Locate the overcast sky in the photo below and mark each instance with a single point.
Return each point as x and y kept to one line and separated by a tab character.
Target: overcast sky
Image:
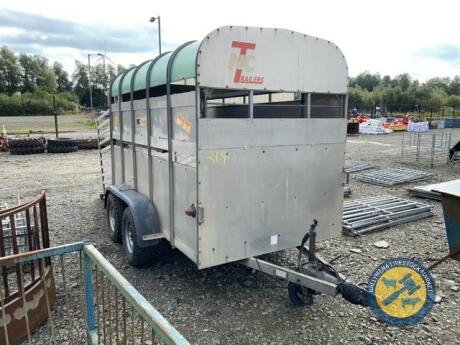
386	36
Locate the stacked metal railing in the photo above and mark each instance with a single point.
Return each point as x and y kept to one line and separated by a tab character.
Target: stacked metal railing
393	176
373	214
355	166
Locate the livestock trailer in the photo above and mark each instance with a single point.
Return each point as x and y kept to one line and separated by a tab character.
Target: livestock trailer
228	148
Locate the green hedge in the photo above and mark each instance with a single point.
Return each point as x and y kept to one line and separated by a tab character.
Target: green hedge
37	103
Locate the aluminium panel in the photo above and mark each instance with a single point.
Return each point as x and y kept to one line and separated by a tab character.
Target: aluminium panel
159	124
128	160
262	199
142	171
161	190
140	121
116	121
185	227
238	57
233	133
117	168
140	127
126	121
184	116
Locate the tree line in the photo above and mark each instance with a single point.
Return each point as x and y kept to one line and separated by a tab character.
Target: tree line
29	82
369	90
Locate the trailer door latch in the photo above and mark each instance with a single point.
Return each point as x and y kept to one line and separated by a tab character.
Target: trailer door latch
200	213
193	211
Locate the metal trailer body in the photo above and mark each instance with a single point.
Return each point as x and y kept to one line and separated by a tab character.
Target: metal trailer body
236	142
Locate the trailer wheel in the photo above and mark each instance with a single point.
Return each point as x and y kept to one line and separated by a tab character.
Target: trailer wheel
136	255
114	216
299	295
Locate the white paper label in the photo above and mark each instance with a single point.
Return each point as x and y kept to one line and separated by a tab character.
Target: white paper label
274	240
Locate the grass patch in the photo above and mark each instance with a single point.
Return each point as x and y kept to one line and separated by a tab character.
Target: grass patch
88	123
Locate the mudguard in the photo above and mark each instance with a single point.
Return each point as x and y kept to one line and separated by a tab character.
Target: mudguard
145	216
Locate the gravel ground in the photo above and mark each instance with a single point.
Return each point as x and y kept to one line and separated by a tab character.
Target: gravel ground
213	306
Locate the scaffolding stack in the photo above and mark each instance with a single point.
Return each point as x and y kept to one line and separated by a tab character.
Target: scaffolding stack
425	148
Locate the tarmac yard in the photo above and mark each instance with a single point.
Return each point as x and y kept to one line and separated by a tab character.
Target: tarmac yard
216	306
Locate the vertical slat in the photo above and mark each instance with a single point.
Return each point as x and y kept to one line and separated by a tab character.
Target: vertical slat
109	307
98	304
104	324
154	341
133	335
82	299
125	333
4	269
37	230
44	223
5	327
66	300
89	294
47	300
142	332
30	243
117	336
15	250
24	306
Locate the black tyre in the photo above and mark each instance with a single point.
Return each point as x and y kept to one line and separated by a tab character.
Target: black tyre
299	295
62	149
25	142
62	142
27	150
136	255
115	210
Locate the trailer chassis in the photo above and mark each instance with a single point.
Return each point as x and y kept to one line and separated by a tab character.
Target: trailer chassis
314	277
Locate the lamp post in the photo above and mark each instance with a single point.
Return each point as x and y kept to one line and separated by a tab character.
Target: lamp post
153	19
105	81
89	81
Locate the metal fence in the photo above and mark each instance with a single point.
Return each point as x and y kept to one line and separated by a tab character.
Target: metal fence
94	303
425	148
429	112
67	294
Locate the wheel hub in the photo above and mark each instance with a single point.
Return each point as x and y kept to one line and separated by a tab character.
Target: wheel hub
129	237
111	218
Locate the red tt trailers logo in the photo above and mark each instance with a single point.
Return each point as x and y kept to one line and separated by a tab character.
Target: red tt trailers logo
241	63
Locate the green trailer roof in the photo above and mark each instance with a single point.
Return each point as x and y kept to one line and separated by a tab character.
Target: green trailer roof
183	67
